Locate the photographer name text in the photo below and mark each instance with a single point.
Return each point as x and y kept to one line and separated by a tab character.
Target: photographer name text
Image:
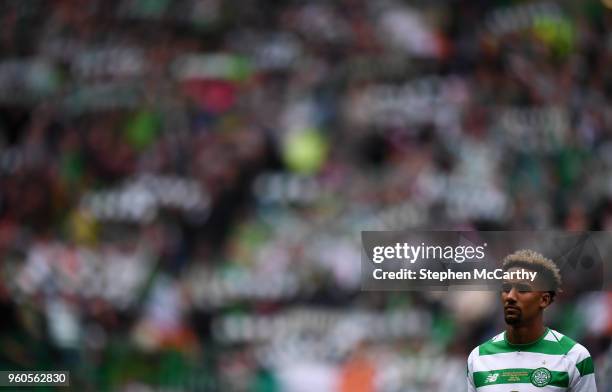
426	274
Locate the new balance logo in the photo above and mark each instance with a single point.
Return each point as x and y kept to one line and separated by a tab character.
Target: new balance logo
492	378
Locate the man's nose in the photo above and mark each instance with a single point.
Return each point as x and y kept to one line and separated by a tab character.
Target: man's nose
511	295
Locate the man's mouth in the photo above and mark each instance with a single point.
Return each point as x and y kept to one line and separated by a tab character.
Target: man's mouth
513	309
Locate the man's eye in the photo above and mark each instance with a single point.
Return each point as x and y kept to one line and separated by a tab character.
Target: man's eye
506	287
524	289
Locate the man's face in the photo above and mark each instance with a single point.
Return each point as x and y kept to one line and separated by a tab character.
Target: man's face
522	303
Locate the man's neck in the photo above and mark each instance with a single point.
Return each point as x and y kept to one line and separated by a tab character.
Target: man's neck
524	334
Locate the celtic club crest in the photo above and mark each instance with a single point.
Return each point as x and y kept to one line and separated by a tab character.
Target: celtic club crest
541	377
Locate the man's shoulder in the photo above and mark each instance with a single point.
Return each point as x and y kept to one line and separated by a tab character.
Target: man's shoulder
575	351
577	354
568	346
489	346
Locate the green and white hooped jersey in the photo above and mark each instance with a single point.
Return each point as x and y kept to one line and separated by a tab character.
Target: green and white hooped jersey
552	363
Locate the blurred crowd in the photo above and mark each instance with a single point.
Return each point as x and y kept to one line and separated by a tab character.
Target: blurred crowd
183	183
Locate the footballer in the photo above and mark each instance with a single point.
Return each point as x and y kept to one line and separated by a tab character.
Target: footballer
528	356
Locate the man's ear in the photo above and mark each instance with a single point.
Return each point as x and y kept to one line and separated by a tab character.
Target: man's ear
545	299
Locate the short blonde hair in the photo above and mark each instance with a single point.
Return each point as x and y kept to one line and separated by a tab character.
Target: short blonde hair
530	259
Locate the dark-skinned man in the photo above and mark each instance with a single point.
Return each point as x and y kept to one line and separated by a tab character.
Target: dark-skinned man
528	356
